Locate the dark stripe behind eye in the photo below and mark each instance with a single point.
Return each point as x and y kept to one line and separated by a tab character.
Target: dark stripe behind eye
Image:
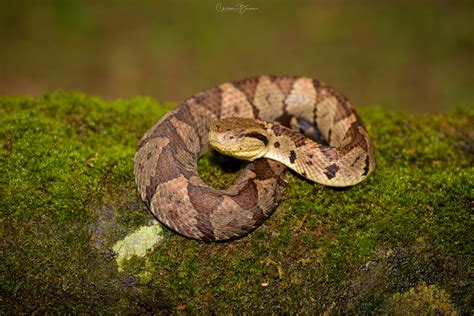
257	136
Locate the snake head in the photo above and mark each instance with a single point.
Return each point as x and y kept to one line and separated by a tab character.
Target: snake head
242	138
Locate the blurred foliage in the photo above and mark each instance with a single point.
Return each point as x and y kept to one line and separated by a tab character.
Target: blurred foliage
398	54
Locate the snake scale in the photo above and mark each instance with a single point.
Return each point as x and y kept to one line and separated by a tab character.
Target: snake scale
328	145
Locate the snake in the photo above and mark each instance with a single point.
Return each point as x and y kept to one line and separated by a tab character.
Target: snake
276	122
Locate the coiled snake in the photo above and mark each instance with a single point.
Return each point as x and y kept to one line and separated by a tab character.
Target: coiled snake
336	151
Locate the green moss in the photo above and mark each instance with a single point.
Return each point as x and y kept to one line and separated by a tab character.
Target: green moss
68	195
420	300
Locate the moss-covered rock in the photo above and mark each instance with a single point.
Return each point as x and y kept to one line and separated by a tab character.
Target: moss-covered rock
68	196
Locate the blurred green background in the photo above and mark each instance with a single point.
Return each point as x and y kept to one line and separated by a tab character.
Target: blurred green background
412	55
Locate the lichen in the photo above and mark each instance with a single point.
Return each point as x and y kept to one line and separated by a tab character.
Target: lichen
68	195
137	243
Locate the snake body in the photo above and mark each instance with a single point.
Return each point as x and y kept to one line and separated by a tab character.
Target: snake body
333	148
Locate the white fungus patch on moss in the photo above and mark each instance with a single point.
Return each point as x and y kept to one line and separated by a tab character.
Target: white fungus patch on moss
137	243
